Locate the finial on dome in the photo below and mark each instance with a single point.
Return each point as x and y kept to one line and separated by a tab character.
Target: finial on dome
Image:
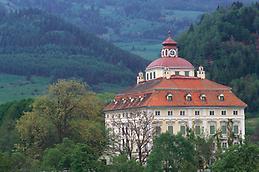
169	41
169	33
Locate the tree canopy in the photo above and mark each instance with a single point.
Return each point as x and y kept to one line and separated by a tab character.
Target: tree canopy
68	110
238	158
172	153
226	43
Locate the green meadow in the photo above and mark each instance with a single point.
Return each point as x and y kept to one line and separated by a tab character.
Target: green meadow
14	87
148	49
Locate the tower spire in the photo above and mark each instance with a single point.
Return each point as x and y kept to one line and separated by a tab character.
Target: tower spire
169	47
169	33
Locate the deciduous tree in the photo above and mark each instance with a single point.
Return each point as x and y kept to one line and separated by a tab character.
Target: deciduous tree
243	157
172	153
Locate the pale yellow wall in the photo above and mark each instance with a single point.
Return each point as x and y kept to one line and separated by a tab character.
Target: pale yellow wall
204	118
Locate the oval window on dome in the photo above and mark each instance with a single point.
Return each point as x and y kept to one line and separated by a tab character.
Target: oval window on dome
188	97
169	97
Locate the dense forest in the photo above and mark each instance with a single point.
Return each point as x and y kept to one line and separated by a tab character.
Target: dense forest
35	43
226	42
118	20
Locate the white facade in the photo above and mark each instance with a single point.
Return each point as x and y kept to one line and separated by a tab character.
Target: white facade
161	72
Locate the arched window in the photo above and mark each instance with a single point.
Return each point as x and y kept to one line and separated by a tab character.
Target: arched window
154	75
169	97
221	97
203	97
188	97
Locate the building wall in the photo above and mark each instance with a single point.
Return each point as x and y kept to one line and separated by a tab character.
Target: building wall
204	119
189	119
159	72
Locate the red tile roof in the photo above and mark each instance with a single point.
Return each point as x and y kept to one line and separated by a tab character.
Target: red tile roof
153	94
171	62
169	41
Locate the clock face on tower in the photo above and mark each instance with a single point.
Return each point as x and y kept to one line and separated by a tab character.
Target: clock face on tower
169	53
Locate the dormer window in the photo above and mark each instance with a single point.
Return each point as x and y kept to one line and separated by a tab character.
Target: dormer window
141	98
221	97
115	101
203	97
169	97
188	97
124	101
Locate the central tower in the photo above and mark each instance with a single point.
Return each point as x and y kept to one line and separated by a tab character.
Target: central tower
169	63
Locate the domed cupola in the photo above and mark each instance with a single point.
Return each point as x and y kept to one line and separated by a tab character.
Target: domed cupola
169	63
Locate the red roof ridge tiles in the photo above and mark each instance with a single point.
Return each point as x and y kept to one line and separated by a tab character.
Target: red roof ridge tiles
153	94
175	62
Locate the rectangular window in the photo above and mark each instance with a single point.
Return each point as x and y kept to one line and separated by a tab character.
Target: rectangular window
182	113
170	129
154	75
170	113
150	75
187	73
211	113
147	76
224	129
197	113
235	112
182	129
224	145
212	129
157	113
177	73
197	130
223	112
235	129
158	130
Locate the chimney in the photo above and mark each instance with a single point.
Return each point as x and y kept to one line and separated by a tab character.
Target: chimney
201	73
167	74
140	77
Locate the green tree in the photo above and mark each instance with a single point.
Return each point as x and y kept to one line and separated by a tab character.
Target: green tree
241	158
204	151
17	161
71	156
69	110
123	164
9	113
172	153
36	133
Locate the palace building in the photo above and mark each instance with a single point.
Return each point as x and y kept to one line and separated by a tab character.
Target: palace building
179	97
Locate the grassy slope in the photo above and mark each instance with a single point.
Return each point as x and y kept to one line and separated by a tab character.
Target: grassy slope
149	49
146	49
13	87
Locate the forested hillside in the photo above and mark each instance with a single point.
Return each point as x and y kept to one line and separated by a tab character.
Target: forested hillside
36	43
119	20
226	42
